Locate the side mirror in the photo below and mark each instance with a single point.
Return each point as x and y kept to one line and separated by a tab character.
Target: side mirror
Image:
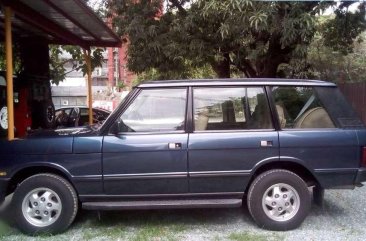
114	129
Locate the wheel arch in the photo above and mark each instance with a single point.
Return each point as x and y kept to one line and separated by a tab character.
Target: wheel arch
26	171
291	164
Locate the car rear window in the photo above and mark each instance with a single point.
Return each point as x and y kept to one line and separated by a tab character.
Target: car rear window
300	107
339	108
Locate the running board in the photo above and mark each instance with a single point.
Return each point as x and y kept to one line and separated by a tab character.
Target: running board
163	204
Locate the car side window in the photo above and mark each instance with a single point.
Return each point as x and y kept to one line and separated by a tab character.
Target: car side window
230	108
155	110
84	112
299	107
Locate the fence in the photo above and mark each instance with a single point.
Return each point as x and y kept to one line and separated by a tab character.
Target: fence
356	95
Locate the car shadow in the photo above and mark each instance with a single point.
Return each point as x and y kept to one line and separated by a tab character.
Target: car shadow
169	217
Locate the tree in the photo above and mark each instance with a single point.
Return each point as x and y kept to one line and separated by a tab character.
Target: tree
17	67
335	65
57	63
253	37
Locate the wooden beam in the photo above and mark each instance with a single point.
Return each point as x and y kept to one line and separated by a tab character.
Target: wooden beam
89	84
9	73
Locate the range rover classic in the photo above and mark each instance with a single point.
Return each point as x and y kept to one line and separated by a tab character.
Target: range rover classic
271	144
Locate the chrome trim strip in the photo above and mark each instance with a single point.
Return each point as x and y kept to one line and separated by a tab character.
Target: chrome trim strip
163	195
332	170
177	175
146	175
220	173
87	178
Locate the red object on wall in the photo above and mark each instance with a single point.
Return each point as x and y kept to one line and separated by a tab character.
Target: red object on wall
22	116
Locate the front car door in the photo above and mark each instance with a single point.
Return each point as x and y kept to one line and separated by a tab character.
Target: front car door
232	132
148	155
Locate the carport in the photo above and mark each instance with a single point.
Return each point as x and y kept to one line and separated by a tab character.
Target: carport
37	23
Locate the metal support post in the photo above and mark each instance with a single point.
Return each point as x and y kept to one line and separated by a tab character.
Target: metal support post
89	84
9	73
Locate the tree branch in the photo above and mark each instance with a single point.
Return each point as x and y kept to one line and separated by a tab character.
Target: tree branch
246	67
178	5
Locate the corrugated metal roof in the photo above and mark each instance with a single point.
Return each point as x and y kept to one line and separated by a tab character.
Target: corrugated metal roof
60	22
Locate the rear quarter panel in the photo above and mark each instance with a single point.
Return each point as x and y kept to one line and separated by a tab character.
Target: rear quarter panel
333	155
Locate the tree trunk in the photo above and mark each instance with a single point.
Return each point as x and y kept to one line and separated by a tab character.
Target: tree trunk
222	68
270	69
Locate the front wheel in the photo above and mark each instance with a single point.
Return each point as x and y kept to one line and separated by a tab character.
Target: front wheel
279	200
44	203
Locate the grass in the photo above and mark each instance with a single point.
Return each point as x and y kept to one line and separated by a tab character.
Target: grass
161	225
5	230
247	236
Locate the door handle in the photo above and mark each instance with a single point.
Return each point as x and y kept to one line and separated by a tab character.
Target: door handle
175	145
266	143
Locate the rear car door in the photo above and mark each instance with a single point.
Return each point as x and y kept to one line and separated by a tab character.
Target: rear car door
148	155
233	131
318	131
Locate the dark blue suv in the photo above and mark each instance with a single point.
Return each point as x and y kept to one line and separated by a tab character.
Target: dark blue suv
271	143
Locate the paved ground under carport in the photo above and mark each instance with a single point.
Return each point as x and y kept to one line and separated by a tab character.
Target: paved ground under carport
343	217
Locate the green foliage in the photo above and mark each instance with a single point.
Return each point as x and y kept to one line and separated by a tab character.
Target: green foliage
340	32
191	72
17	65
57	68
257	38
332	65
57	64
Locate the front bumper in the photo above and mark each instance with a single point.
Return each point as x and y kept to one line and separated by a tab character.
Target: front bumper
361	176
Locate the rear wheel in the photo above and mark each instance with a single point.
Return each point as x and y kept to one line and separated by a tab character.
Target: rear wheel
279	200
44	203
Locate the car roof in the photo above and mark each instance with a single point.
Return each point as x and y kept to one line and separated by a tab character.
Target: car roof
235	82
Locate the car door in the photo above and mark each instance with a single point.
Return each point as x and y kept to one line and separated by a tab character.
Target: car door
317	132
232	132
148	154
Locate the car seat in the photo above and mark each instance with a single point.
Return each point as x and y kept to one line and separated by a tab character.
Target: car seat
314	118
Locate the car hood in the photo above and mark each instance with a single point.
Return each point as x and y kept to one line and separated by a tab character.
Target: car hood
41	142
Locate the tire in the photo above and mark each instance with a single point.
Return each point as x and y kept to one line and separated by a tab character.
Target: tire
47	194
278	200
47	118
43	114
3	121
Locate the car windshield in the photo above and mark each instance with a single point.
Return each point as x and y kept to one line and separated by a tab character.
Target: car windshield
97	126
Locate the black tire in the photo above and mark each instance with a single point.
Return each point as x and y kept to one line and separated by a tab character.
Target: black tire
3	121
47	114
262	185
66	196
